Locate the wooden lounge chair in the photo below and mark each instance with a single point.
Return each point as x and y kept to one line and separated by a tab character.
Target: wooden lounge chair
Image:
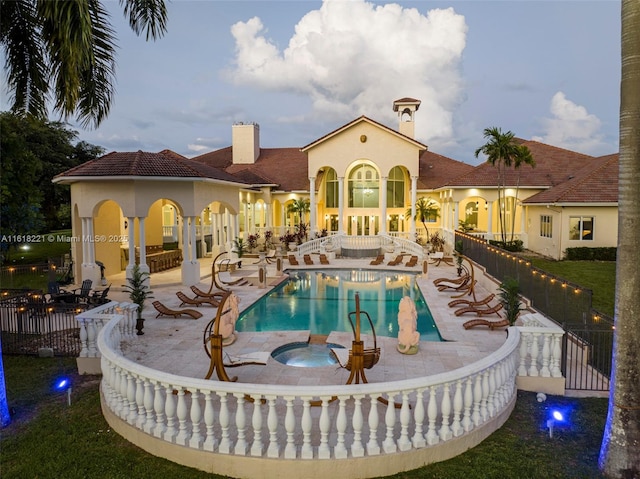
197	301
468	302
439	257
293	260
459	280
454	285
324	259
216	295
395	262
307	259
503	323
175	313
412	262
480	311
379	260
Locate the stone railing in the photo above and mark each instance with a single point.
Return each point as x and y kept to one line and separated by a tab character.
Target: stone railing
269	430
370	244
540	355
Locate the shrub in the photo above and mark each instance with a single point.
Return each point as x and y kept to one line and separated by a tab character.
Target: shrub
591	254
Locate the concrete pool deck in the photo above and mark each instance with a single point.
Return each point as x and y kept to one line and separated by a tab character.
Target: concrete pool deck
176	345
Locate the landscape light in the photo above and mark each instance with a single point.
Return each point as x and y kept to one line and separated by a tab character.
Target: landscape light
556	417
64	384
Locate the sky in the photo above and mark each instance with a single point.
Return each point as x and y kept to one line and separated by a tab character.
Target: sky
545	70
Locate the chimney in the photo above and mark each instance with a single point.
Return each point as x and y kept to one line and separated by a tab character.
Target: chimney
245	142
406	108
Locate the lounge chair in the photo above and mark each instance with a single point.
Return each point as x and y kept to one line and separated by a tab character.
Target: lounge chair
99	297
82	293
503	323
216	296
197	301
468	302
307	259
396	261
412	262
324	259
175	313
293	260
480	311
439	257
379	260
452	282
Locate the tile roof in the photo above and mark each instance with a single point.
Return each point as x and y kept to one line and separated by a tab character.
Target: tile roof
141	163
437	170
597	182
553	166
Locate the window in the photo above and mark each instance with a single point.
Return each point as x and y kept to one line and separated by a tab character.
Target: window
581	228
395	188
332	192
546	224
364	187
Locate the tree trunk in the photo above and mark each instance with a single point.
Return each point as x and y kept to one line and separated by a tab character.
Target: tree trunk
620	451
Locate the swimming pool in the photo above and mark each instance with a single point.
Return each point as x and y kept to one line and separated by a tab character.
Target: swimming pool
320	301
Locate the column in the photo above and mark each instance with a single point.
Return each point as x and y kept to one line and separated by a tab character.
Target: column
341	218
383	205
313	223
414	199
144	267
246	219
190	264
88	269
267	216
490	221
132	246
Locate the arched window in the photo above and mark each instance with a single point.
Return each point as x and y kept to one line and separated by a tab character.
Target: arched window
364	187
395	188
331	194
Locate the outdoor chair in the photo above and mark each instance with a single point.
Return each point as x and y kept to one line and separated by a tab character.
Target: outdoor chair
324	259
197	301
379	260
216	296
503	323
413	261
82	293
470	303
480	311
439	257
175	313
99	297
307	259
396	261
293	260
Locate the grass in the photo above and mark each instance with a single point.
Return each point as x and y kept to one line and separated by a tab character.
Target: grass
598	276
49	439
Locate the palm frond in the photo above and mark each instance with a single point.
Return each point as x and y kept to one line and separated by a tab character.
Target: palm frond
146	15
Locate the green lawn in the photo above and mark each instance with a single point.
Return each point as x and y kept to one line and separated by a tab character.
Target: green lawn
50	439
598	276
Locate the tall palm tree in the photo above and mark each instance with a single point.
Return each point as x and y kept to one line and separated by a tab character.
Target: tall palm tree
524	156
299	207
620	451
503	151
425	209
65	50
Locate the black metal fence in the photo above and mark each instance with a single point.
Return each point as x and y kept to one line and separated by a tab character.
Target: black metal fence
566	303
30	325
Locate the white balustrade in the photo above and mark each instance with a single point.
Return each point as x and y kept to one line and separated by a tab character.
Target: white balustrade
307	423
540	347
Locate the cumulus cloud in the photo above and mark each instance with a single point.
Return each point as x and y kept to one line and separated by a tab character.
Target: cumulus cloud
572	127
355	58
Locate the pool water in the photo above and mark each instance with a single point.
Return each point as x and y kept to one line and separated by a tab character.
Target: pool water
320	301
306	355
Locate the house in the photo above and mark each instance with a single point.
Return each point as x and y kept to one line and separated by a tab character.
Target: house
363	178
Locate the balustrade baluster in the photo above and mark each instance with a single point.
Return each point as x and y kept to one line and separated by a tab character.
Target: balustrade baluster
272	423
241	426
196	418
557	353
432	414
131	399
141	413
418	418
533	367
389	443
524	351
210	442
477	400
150	422
170	411
456	426
445	430
340	451
484	411
546	353
491	410
404	444
182	413
123	409
357	447
373	447
256	421
84	349
467	423
223	418
158	408
290	450
307	450
324	424
92	334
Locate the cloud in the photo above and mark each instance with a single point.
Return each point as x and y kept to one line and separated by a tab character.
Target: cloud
354	58
202	145
572	127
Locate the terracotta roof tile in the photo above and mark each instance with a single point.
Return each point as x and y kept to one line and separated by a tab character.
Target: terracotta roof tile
437	170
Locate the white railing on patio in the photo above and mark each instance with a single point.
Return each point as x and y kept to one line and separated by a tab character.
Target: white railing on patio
362	242
92	321
540	347
278	421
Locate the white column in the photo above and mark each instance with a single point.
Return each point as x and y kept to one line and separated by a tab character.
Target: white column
341	218
88	269
186	250
190	264
490	221
313	224
267	215
192	239
414	198
132	245
383	205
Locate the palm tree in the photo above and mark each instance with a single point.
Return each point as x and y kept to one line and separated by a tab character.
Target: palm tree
299	207
65	50
502	152
425	209
524	156
620	454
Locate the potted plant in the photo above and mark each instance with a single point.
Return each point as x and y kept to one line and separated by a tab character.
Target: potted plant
437	242
510	299
139	292
239	247
459	256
